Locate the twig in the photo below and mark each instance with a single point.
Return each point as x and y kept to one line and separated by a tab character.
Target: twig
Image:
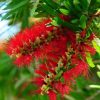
97	14
97	61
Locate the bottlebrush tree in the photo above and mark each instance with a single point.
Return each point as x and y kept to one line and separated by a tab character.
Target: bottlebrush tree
61	41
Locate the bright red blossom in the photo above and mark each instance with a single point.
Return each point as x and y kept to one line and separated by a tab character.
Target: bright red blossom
80	69
23	60
26	37
52	95
52	45
61	88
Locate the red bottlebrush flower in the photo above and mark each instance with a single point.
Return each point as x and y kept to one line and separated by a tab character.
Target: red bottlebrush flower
55	49
71	36
49	44
83	33
92	36
51	64
82	48
43	67
61	88
38	81
40	72
23	60
74	59
28	36
65	18
14	44
52	95
89	49
80	69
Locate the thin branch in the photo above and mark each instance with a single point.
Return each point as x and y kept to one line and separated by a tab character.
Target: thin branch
97	14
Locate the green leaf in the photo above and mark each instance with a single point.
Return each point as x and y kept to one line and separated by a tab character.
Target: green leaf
59	75
74	21
98	66
23	78
9	14
77	5
83	20
98	73
94	86
54	22
89	60
62	80
17	5
96	44
43	97
25	20
58	68
76	1
68	4
59	21
85	4
68	97
49	10
51	3
64	11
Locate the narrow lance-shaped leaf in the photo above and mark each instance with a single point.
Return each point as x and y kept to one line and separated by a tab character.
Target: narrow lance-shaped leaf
64	11
16	6
49	10
83	20
98	73
95	86
51	3
89	60
96	44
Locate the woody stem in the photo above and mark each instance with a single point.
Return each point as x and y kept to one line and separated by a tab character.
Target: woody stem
97	14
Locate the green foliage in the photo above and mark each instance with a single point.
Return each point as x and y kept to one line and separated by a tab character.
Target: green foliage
83	20
17	11
95	86
64	11
89	60
79	10
83	91
98	73
96	44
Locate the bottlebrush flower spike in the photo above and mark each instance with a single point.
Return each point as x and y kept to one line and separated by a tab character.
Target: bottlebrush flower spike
23	60
27	40
47	82
89	49
43	67
65	18
53	50
59	48
83	33
28	36
62	88
38	81
80	69
52	95
91	37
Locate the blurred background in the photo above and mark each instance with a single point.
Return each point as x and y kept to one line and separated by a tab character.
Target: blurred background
12	79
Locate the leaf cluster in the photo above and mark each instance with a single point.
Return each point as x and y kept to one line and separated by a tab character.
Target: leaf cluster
79	10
